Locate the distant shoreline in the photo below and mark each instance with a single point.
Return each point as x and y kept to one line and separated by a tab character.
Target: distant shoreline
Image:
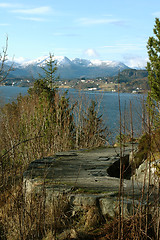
85	89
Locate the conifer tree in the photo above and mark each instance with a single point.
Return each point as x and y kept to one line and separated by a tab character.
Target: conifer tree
50	70
93	131
153	66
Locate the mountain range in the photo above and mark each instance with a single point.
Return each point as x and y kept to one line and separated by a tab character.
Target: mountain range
68	68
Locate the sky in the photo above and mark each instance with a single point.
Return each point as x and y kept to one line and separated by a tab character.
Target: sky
108	30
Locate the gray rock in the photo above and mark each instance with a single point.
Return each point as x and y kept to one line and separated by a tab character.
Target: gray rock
69	173
148	170
108	207
84	200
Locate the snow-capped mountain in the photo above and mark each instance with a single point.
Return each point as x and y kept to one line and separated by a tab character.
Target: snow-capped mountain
69	68
41	61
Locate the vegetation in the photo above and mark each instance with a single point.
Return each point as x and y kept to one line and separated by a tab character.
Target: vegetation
153	65
36	126
49	70
42	123
149	143
92	132
3	58
45	122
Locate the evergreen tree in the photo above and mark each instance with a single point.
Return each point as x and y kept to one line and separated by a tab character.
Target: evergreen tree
93	131
45	85
153	66
49	70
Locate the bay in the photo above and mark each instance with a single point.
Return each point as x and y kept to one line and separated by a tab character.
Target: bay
9	93
131	106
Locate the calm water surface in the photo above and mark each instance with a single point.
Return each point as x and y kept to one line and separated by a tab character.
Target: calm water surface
131	106
108	102
9	93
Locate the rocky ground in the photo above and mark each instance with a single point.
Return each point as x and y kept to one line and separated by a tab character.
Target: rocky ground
89	180
93	170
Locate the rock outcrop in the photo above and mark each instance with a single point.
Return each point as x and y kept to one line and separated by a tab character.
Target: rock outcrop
88	178
148	172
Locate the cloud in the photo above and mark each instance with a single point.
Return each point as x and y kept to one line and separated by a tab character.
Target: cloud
17	8
91	52
135	61
34	19
9	5
6	5
39	10
94	21
18	59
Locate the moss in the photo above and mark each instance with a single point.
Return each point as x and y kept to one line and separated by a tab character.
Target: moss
148	146
143	148
89	191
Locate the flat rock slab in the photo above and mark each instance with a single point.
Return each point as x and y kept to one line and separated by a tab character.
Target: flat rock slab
82	177
83	169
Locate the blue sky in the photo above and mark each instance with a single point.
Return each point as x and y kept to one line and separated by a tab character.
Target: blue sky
100	29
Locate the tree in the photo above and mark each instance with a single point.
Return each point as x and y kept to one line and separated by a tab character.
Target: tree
93	132
50	69
3	58
45	85
153	66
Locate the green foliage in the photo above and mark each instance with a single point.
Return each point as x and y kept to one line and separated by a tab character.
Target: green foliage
50	71
148	144
153	66
125	138
93	133
143	150
42	89
157	166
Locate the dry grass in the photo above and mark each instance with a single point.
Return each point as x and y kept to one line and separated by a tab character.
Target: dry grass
34	219
22	219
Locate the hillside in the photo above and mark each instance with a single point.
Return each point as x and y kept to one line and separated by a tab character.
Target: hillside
82	74
69	69
131	80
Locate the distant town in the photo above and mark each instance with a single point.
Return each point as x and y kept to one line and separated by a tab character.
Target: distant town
132	81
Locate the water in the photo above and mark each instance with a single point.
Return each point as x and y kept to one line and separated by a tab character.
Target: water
9	93
131	108
108	102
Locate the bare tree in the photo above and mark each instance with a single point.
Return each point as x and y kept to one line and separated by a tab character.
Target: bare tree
3	58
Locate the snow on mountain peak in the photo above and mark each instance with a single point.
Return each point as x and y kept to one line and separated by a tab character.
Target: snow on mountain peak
37	61
69	68
64	61
41	61
81	61
97	62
